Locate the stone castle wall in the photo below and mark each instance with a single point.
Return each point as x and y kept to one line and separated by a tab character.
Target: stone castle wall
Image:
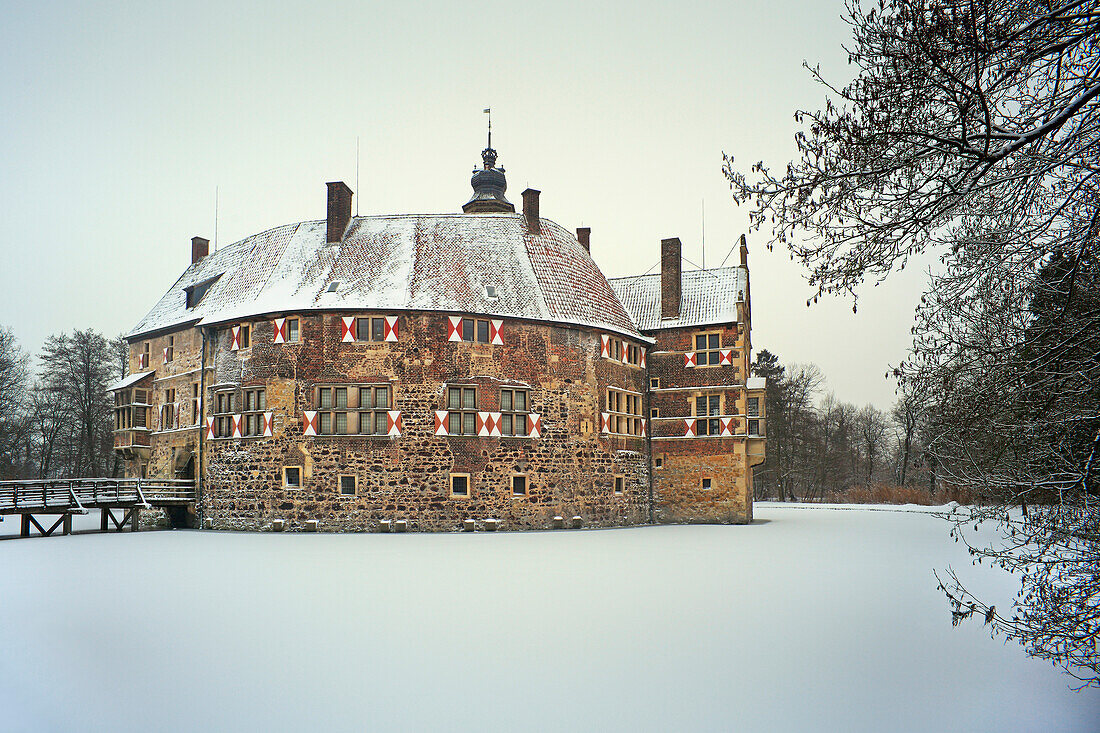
686	461
570	469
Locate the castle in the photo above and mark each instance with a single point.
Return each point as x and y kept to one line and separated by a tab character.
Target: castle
434	372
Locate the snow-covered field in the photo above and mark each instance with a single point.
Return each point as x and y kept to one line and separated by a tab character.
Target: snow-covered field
812	619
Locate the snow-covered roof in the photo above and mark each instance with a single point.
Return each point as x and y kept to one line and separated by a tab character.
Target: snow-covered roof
431	262
129	381
706	297
756	383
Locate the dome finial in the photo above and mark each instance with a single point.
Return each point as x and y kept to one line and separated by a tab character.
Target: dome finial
488	183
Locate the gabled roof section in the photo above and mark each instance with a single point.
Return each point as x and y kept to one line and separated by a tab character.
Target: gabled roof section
436	262
129	381
706	297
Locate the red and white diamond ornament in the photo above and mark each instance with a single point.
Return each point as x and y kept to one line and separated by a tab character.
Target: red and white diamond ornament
390	332
347	328
454	328
280	331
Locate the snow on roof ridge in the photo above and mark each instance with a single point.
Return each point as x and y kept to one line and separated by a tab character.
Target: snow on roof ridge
403	262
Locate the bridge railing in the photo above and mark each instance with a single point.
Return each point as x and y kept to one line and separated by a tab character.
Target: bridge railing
87	493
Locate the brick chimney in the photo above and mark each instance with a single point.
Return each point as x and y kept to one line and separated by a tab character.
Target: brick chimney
584	234
744	252
531	210
670	278
199	248
339	210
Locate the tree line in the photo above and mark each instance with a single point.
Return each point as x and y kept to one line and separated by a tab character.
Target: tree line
823	449
56	420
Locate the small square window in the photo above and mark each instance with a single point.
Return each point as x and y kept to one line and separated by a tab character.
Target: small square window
705	485
655	383
618	485
519	485
654	412
658	462
460	485
292	477
347	485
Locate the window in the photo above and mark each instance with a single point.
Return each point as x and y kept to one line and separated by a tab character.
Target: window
618	486
519	485
633	355
350	409
462	404
334	402
707	347
658	462
168	416
143	357
374	401
292	477
708	406
625	412
460	485
347	485
513	411
655	383
705	484
752	407
755	427
223	415
255	402
370	329
196	292
617	350
475	329
292	329
194	403
130	410
170	350
246	335
654	412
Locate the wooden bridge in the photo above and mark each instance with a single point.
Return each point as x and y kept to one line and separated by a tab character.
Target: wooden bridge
120	501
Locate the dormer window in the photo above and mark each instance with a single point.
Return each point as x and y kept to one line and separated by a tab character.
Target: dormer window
195	293
333	286
491	292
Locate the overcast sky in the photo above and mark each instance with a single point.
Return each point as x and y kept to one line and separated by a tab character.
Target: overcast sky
121	119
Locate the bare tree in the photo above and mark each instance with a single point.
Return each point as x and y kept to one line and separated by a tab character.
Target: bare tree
871	424
972	130
77	369
13	398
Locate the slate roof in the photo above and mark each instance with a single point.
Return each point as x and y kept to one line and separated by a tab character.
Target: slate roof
706	297
432	262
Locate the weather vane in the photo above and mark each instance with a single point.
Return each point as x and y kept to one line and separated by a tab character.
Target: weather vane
488	155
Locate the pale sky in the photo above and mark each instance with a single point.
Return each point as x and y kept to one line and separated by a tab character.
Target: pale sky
120	119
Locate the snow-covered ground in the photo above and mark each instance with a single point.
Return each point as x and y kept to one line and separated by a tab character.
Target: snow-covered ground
812	619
